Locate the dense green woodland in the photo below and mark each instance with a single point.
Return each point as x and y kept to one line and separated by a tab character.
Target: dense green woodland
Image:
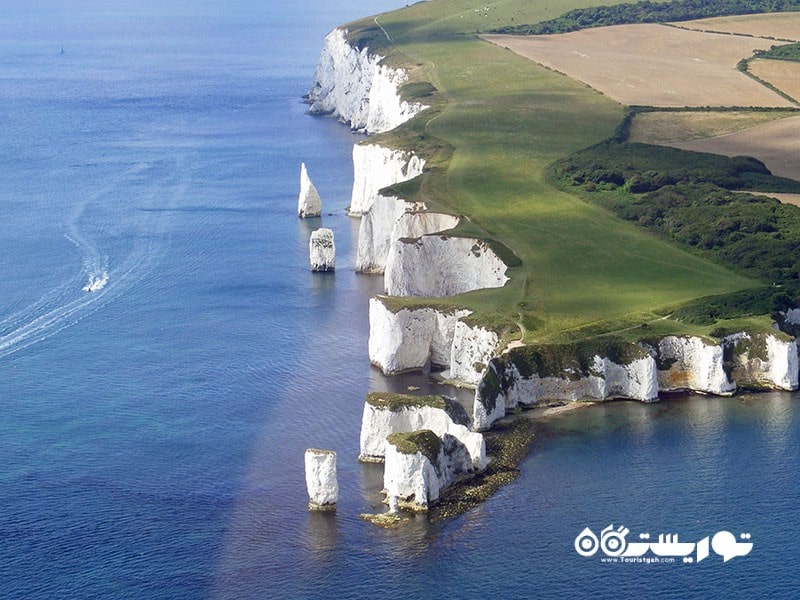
650	12
690	198
790	52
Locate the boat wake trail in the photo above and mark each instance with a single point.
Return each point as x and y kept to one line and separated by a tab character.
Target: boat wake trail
109	267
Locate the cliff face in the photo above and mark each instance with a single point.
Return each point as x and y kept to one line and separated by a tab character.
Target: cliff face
690	363
353	86
396	413
741	360
321	481
420	465
439	266
763	361
376	167
472	349
322	250
407	339
389	220
527	376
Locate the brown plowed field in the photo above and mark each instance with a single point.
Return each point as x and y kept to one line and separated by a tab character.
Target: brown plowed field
652	65
784	26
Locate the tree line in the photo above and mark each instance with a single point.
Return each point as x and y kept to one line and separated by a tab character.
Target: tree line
649	12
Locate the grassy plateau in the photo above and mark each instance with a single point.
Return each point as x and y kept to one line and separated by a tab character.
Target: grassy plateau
497	122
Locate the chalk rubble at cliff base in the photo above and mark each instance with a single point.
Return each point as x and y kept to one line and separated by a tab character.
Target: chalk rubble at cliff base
321	479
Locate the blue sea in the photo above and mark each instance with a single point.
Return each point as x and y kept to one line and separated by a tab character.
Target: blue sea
153	430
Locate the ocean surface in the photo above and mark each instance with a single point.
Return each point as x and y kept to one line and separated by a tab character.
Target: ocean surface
152	430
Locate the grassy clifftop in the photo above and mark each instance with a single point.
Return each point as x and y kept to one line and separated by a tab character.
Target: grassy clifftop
497	123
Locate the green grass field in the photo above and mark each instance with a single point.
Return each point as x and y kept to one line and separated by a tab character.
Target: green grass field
584	272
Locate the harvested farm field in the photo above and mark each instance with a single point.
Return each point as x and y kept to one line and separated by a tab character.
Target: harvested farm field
783	74
774	143
668	127
780	26
652	65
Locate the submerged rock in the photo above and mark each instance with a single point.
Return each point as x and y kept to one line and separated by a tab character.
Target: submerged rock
309	203
321	480
322	250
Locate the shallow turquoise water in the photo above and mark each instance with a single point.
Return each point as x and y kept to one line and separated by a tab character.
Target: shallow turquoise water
153	431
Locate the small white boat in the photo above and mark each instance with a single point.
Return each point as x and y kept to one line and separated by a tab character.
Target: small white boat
96	283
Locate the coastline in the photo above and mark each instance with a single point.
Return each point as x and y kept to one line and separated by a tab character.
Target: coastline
412	331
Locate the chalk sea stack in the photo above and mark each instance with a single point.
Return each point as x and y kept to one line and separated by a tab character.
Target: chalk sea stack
322	250
309	203
321	480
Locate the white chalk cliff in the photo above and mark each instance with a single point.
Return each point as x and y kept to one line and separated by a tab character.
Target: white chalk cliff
389	220
406	340
691	363
309	203
673	363
357	88
385	414
763	361
504	386
472	349
420	465
322	250
439	266
321	479
376	167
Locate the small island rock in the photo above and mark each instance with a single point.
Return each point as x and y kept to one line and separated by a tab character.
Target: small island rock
322	250
321	479
309	203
